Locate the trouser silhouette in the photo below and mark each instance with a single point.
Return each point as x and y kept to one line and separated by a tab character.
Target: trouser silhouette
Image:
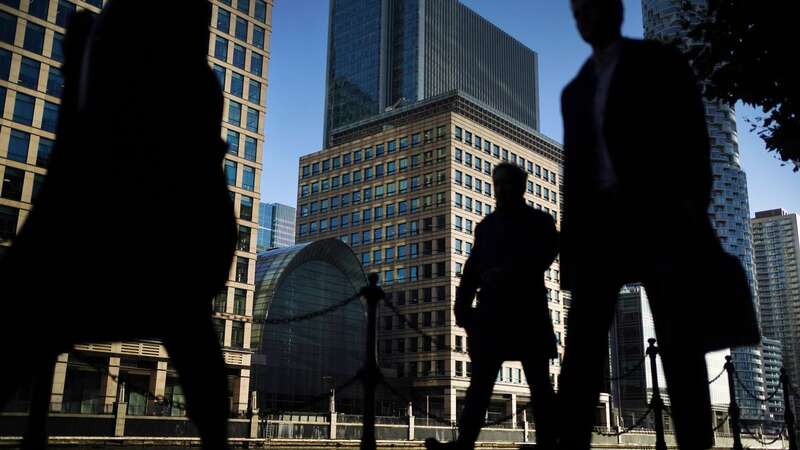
484	375
593	305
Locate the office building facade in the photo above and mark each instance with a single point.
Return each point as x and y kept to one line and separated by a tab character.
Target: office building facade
275	226
729	210
31	36
386	53
406	190
777	249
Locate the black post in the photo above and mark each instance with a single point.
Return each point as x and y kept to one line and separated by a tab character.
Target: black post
370	373
655	401
734	408
788	413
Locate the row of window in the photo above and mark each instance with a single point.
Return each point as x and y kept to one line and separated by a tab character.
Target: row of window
238	82
220	302
237	27
402	186
34	37
248	181
366	216
13	184
30	74
250	149
237	332
414	296
235	116
19	148
423	319
367	153
238	56
470	182
415	369
243	6
356	197
495	150
542	192
41	9
25	108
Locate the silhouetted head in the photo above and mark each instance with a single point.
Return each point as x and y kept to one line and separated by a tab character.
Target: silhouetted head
509	185
599	21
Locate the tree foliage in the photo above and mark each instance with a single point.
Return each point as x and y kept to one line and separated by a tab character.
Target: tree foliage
748	50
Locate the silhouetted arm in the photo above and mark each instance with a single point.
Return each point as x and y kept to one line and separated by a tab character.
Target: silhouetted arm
470	279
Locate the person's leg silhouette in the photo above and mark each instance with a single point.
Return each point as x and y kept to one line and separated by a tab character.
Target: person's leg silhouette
537	372
593	303
201	367
684	366
476	402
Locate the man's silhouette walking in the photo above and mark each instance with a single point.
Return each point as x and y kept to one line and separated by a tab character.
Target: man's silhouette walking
514	245
637	187
133	232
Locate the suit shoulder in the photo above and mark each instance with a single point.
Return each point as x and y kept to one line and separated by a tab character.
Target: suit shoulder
539	217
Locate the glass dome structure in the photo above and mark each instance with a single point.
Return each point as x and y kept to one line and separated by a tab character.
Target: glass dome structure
296	362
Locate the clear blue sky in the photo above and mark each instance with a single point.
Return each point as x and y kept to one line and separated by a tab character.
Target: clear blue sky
297	79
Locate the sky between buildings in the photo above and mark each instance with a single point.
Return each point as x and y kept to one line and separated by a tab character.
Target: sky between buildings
295	98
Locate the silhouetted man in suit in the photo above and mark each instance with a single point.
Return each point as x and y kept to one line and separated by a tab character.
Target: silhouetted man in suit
637	187
514	245
133	233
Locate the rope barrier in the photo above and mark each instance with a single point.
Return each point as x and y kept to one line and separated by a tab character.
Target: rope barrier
758	436
635	425
711	381
719	425
312	315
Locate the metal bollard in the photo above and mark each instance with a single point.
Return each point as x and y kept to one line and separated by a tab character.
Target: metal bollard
655	401
788	414
736	428
370	372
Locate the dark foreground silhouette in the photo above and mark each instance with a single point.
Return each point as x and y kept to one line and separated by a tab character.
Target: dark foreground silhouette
637	187
514	245
134	232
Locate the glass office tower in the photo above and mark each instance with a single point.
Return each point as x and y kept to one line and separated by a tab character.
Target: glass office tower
386	53
729	210
275	226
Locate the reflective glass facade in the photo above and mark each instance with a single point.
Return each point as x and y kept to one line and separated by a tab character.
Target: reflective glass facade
275	226
302	360
390	53
730	209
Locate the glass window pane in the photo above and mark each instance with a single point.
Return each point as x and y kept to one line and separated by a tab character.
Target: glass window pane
256	64
50	117
29	73
55	82
44	151
254	92
34	38
241	29
221	49
18	146
238	56
250	149
23	109
237	84
8	27
223	20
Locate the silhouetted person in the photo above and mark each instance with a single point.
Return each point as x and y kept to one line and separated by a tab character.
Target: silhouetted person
514	245
133	232
637	188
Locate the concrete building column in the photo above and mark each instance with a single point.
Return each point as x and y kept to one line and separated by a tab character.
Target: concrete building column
450	412
59	379
158	379
511	410
109	384
241	389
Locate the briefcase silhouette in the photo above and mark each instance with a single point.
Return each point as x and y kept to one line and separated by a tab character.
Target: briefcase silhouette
725	305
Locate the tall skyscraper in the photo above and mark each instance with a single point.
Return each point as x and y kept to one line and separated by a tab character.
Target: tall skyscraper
387	53
275	226
406	189
31	35
777	248
730	209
